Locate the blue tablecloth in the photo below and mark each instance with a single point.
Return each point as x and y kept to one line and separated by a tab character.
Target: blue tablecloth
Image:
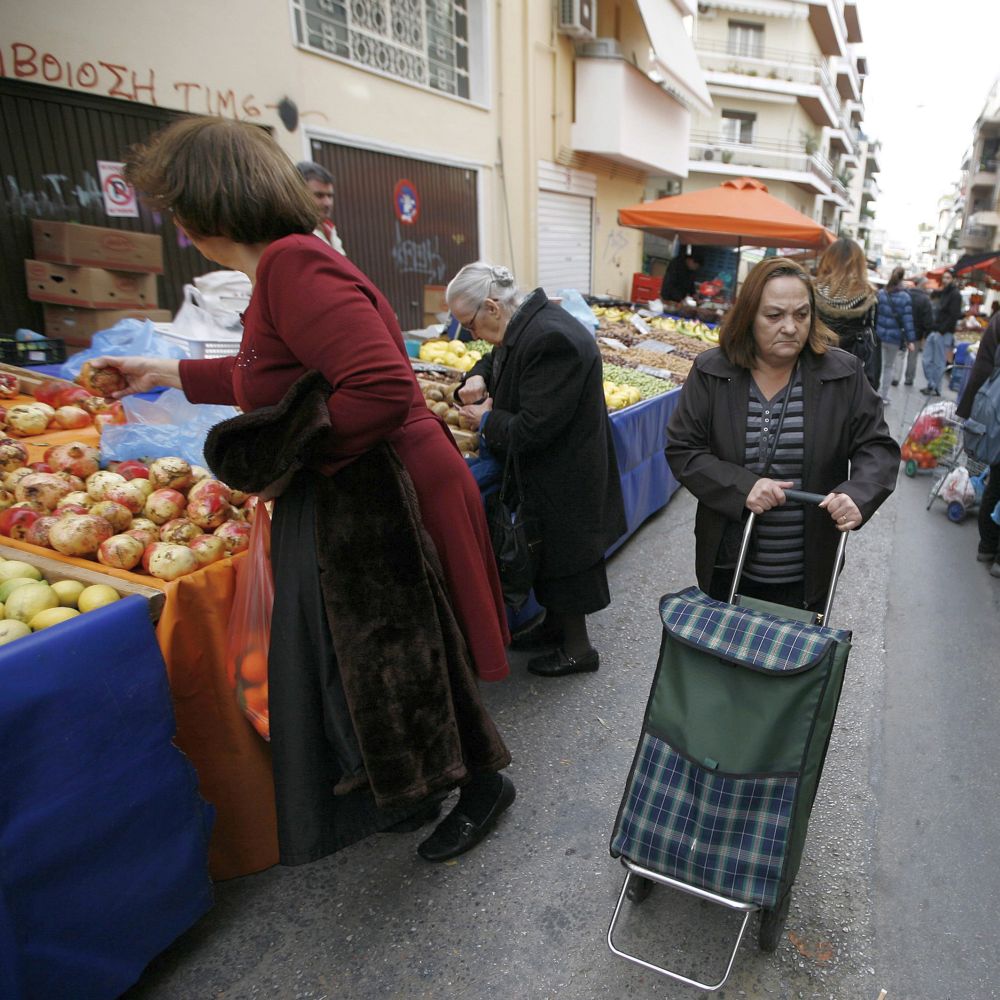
640	435
103	836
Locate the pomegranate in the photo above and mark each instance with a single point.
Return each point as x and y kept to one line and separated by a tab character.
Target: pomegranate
119	517
114	414
209	487
144	522
144	485
148	535
38	532
9	386
128	494
11	479
101	381
238	498
94	404
179	530
7	498
70	395
43	487
40	467
99	483
79	498
15	522
235	536
132	469
164	505
75	457
170	473
208	511
13	454
26	419
79	534
249	509
75	482
70	417
167	561
121	551
207	549
199	472
35	505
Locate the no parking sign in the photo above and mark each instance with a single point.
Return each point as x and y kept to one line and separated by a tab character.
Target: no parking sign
119	195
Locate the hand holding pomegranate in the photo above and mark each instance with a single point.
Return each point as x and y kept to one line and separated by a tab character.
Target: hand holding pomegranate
118	377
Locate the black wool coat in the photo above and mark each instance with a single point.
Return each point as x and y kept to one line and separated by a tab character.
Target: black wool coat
547	384
848	449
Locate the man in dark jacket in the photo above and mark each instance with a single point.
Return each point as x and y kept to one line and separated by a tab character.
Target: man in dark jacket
923	322
947	312
986	361
678	282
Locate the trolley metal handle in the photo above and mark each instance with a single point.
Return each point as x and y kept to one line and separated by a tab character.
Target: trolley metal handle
799	496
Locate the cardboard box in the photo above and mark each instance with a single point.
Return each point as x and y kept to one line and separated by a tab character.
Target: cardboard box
89	287
96	246
434	304
77	326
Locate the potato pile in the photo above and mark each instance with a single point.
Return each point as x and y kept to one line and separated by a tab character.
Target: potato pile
439	395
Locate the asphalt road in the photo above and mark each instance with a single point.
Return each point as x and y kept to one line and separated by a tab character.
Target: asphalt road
899	879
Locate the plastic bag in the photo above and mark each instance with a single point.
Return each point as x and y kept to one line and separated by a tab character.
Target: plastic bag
957	487
573	302
209	316
249	632
167	425
126	337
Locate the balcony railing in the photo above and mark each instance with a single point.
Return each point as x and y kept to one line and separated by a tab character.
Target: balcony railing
766	154
767	64
975	237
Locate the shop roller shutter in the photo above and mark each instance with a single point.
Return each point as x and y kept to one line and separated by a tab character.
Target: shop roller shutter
565	239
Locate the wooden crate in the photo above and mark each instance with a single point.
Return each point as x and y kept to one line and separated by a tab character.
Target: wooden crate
55	569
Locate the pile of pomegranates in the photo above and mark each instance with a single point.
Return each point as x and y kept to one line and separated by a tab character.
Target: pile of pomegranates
56	406
166	518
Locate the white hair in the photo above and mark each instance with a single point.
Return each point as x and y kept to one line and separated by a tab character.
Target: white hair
480	281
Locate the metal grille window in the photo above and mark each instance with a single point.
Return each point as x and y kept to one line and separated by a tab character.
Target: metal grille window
737	126
746	39
423	42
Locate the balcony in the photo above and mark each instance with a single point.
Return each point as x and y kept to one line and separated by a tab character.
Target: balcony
869	188
827	24
766	159
986	175
622	115
973	237
779	72
848	80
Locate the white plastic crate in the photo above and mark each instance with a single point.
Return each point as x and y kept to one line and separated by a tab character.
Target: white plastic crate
198	348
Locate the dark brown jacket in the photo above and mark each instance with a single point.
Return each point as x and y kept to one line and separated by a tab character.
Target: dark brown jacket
848	449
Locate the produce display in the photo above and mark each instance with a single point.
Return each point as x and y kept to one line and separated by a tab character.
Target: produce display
166	518
451	353
933	436
56	406
438	388
30	603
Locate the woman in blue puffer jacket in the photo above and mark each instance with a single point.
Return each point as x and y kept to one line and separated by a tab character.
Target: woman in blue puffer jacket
894	326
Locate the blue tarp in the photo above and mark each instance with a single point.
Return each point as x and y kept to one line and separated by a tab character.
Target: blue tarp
103	836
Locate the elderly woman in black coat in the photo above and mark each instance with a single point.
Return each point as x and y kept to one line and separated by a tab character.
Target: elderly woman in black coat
778	406
539	395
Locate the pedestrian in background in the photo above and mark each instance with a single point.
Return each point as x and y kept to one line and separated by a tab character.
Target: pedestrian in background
678	281
923	323
894	325
319	180
985	363
947	301
846	303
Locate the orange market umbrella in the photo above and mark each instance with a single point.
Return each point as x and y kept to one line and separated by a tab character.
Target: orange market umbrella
738	213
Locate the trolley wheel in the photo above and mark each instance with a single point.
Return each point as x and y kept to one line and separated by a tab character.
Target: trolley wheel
911	467
956	512
772	923
638	888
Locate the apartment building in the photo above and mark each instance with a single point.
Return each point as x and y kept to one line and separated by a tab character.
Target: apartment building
455	129
786	79
980	231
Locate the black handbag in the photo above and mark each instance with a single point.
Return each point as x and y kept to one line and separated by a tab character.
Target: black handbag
516	535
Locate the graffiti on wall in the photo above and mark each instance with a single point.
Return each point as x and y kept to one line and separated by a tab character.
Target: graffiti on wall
419	257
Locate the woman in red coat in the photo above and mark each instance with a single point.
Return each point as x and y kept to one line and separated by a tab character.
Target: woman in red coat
242	203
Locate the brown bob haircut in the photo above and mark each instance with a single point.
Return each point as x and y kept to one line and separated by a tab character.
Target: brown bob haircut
843	269
222	178
736	338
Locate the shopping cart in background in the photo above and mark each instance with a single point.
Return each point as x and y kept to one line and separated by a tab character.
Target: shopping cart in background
934	440
731	751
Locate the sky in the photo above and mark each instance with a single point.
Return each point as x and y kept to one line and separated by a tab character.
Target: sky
930	68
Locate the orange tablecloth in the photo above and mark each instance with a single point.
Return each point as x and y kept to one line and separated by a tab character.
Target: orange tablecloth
232	761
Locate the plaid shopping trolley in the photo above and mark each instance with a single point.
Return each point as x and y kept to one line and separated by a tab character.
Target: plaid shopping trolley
732	746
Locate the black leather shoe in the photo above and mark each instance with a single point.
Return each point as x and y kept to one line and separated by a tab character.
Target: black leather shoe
638	888
558	664
895	382
538	636
908	381
456	833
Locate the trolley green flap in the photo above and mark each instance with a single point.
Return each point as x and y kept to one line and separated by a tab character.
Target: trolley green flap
738	690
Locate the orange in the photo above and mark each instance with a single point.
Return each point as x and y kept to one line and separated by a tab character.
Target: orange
253	667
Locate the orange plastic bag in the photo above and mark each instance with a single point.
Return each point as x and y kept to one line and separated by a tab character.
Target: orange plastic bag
250	624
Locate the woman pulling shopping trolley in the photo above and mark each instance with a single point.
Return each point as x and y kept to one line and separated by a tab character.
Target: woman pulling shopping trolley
746	689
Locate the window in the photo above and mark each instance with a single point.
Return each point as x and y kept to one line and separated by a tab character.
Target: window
737	126
423	42
746	39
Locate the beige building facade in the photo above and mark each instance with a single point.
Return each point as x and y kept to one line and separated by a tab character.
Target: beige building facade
512	130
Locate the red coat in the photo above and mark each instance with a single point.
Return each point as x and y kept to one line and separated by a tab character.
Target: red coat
313	310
